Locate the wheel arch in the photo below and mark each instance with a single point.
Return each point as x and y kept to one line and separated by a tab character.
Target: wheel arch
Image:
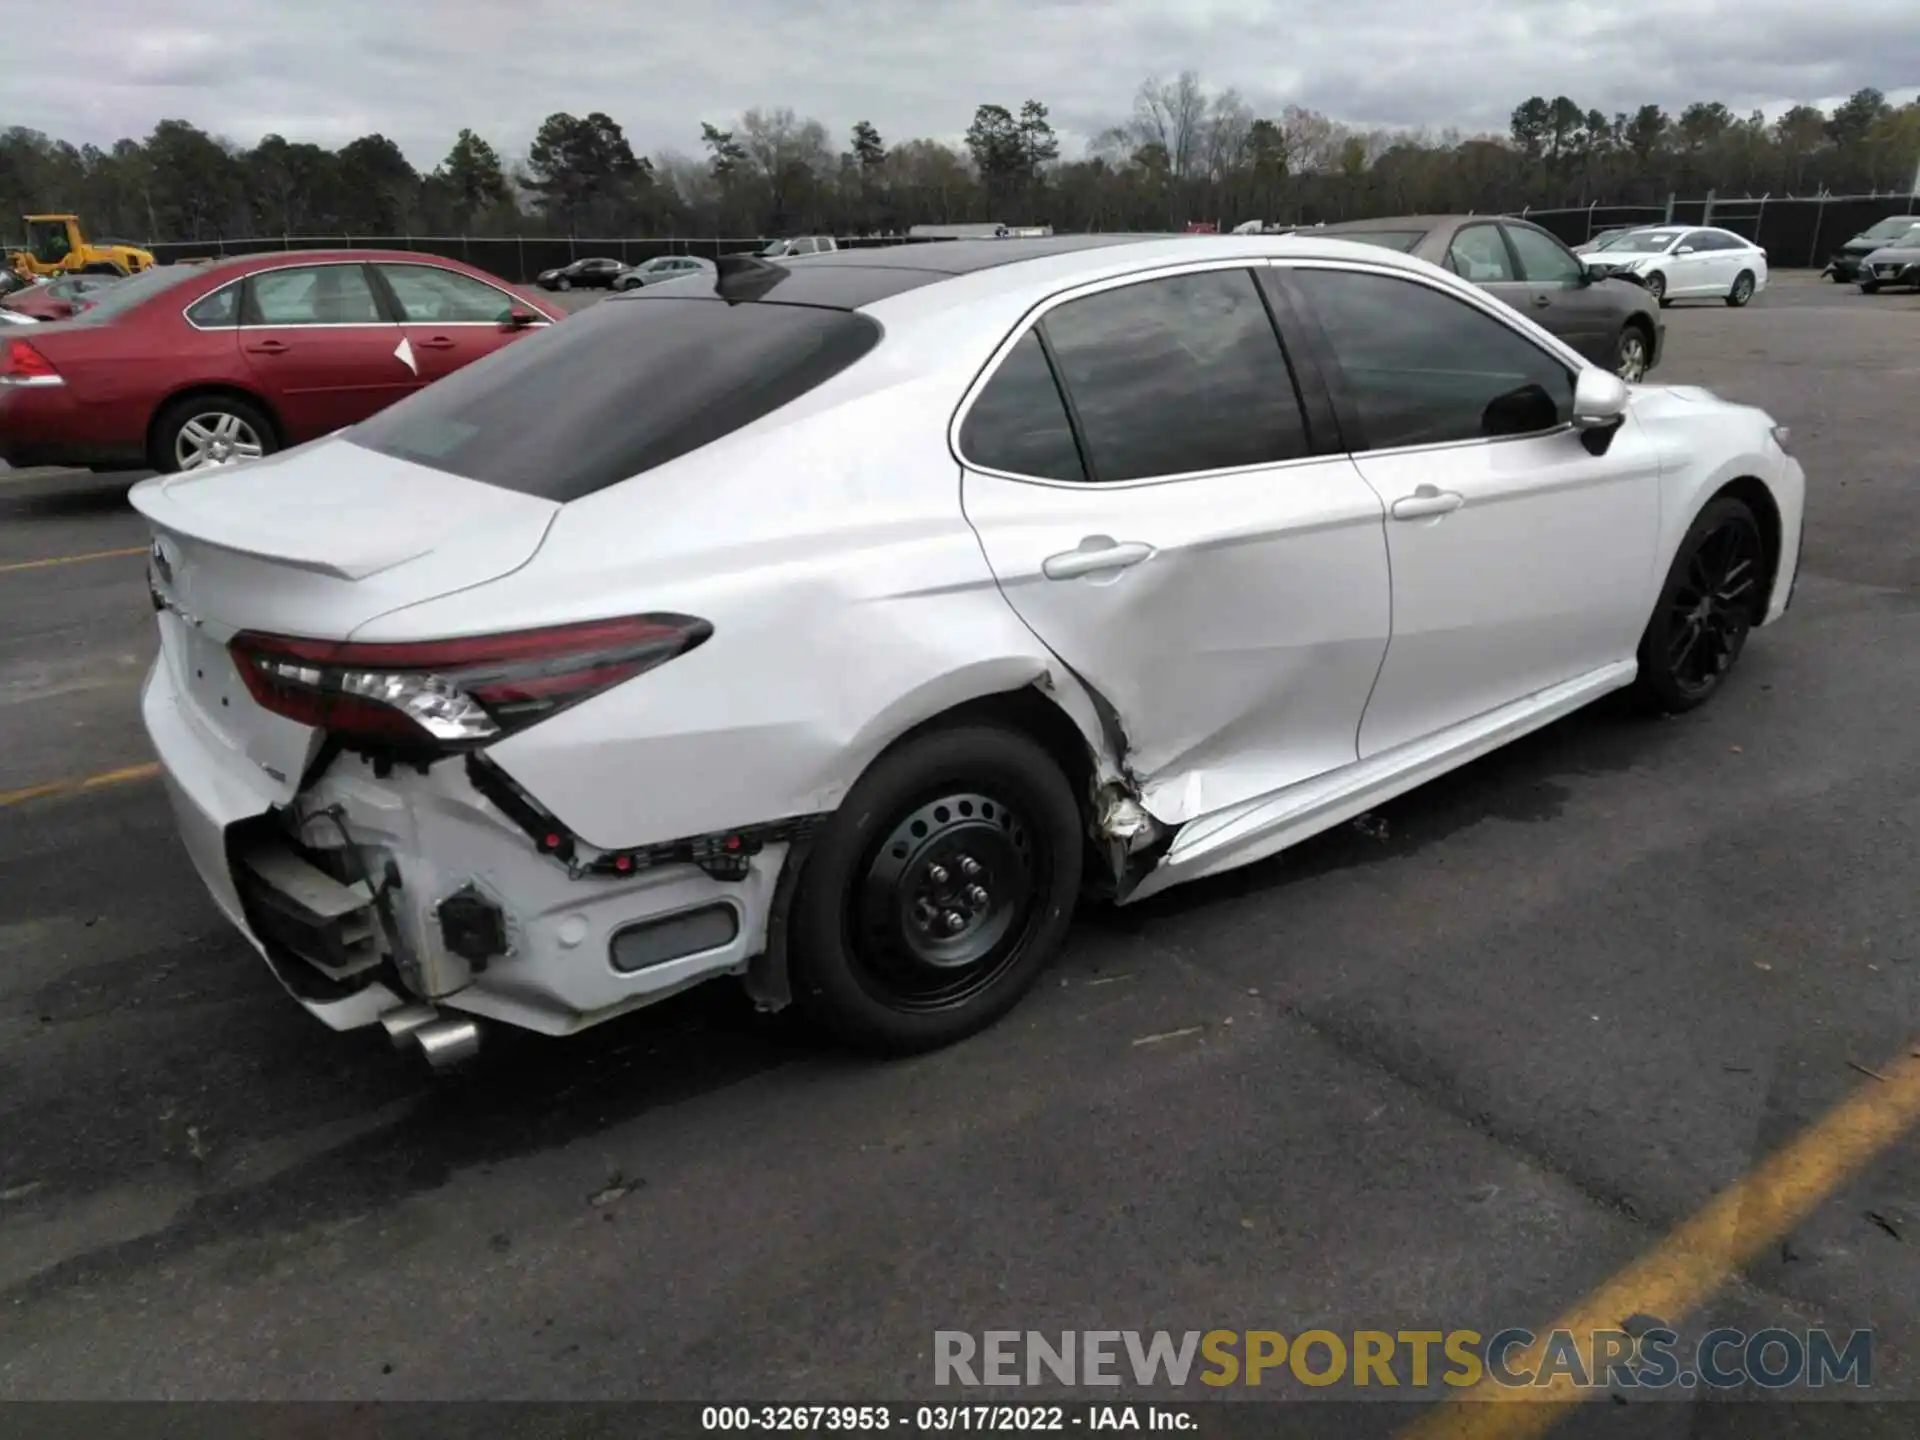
211	390
1755	494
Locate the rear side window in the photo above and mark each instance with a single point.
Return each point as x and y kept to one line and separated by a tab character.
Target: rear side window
1173	376
617	390
1019	422
220	310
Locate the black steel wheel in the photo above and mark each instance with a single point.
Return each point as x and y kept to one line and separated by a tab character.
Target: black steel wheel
1707	608
938	891
1742	290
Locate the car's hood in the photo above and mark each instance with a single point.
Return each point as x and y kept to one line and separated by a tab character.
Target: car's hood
1895	254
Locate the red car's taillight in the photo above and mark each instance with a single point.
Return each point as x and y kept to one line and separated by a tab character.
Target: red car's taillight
453	694
21	364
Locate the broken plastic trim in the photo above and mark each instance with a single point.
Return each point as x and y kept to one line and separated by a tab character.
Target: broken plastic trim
723	854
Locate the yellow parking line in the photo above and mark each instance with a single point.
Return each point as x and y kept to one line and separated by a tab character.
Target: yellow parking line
105	778
1696	1260
73	559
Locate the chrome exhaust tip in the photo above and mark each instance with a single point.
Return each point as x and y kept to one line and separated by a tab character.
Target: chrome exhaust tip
447	1042
401	1023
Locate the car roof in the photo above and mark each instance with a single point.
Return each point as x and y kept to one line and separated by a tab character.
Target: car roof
273	259
947	271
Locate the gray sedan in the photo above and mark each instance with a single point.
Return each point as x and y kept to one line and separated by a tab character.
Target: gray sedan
1612	322
1892	265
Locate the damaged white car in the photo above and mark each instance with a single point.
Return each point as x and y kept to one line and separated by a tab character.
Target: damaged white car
838	624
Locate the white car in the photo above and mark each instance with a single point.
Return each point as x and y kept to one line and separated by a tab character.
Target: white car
662	267
836	625
1676	262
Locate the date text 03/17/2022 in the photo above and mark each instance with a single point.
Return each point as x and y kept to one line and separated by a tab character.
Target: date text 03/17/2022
944	1419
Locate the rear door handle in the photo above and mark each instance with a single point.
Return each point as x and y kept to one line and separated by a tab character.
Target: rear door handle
1542	301
1427	500
1096	553
438	342
269	347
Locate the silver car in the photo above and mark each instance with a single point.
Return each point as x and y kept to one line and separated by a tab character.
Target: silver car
661	267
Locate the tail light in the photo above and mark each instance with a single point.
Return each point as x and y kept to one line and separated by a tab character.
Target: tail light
21	364
453	694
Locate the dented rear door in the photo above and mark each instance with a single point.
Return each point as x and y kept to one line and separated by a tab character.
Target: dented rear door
1176	539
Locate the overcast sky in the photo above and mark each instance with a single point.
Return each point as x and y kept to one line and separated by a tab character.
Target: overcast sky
418	70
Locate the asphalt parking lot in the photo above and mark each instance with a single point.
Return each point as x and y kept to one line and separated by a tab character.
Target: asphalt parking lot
1464	1065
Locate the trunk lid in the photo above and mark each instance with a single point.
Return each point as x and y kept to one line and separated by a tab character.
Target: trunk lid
313	542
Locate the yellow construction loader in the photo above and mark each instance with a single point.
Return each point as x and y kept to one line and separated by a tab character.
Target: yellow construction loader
57	246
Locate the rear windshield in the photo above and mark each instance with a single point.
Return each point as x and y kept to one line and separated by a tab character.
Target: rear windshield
116	299
1402	240
616	390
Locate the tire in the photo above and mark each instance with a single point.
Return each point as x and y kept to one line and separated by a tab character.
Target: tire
872	962
1656	284
1632	354
1869	287
563	284
1710	599
1742	290
238	424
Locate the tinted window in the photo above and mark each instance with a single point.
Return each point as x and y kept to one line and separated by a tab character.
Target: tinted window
428	294
219	310
1401	240
1018	423
1177	375
1421	367
617	390
312	295
1480	255
1543	259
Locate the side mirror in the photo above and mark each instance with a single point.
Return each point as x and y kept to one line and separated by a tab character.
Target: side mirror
1599	399
1683	250
518	319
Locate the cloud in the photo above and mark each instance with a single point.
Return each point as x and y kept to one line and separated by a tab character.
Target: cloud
418	72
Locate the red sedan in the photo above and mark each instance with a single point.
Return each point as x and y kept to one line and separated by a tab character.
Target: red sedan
58	299
182	366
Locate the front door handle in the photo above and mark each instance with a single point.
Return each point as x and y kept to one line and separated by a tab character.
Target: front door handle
269	347
1427	500
1096	553
438	342
1542	301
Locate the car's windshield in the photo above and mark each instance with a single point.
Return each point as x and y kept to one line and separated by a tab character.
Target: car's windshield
116	299
1402	240
1894	227
1641	242
555	414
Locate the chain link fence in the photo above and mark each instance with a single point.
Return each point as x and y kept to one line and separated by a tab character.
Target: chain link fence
1796	231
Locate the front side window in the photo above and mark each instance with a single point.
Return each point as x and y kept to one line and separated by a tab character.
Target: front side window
1480	255
312	295
431	295
1420	367
1543	259
1019	423
1174	376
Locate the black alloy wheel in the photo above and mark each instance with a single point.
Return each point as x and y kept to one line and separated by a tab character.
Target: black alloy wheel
1707	608
938	890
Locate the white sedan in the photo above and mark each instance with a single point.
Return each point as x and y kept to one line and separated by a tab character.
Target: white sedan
836	624
1678	263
